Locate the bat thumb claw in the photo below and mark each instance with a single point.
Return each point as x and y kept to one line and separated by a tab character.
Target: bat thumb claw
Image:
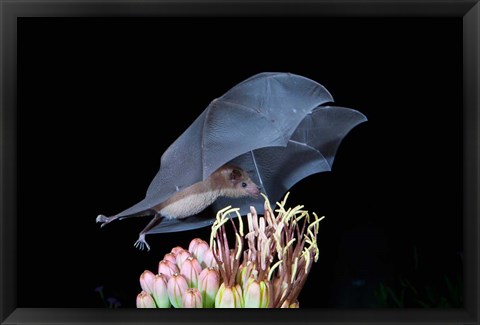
101	218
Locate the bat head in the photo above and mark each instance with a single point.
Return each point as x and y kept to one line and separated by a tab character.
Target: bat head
241	184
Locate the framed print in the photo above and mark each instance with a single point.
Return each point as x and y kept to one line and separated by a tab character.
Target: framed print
362	114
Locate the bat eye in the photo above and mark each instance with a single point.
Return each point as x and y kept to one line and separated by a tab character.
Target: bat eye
244	184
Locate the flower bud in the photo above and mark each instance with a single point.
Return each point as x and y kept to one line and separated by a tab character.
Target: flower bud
256	294
177	249
144	300
167	268
181	257
193	243
208	284
160	294
146	281
170	257
209	259
192	298
244	273
229	297
176	287
197	248
190	270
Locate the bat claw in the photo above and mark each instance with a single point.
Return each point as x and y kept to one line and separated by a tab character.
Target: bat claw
104	220
141	244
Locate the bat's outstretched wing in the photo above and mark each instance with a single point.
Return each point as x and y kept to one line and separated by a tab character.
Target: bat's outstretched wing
310	150
262	111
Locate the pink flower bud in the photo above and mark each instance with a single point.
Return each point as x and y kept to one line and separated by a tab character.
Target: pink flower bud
208	284
146	281
229	297
160	293
144	300
209	259
170	257
177	249
256	294
167	268
193	243
192	298
181	257
190	270
198	247
176	287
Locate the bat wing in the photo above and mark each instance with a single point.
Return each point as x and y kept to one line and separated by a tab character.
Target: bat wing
310	150
261	111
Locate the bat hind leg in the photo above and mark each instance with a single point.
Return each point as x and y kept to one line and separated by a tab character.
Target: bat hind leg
141	243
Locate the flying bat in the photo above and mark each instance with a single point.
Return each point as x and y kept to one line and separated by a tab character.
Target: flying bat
263	135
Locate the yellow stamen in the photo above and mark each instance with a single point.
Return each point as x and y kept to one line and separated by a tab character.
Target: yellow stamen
288	245
239	240
273	268
294	270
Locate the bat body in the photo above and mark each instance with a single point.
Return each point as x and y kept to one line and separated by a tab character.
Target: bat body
227	181
276	128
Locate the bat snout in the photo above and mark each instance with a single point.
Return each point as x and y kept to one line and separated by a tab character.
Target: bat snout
254	192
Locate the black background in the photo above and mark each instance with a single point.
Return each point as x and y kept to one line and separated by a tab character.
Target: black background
99	100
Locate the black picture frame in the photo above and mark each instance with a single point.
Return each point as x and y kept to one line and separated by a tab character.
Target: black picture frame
10	11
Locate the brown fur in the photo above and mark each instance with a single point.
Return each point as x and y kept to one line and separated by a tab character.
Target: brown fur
225	181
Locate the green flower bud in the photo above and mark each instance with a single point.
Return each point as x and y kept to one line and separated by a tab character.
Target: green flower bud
160	293
176	287
229	297
244	273
256	294
208	284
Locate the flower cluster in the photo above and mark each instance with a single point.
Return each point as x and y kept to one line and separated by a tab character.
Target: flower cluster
186	278
268	271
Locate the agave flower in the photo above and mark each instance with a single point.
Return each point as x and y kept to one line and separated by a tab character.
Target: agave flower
278	256
267	266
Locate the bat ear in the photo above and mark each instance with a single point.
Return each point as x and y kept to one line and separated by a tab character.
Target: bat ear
235	175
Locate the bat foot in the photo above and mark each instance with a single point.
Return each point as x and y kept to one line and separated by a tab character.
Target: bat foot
141	243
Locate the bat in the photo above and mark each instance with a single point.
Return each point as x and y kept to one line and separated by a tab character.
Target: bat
265	134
